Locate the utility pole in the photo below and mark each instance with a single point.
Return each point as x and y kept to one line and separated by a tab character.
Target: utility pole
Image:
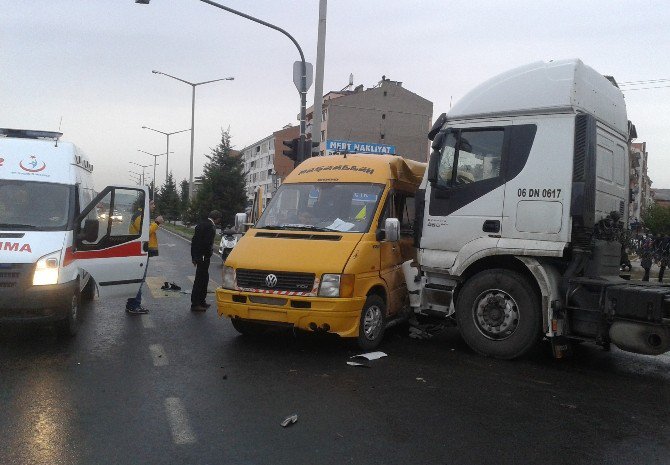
318	79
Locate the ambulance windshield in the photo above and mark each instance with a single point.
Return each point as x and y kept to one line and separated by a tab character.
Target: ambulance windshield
342	207
28	205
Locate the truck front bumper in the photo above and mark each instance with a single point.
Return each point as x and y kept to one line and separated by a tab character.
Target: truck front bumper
339	316
37	303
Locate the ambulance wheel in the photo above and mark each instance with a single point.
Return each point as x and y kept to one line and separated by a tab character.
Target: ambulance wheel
247	328
88	293
499	314
68	326
372	323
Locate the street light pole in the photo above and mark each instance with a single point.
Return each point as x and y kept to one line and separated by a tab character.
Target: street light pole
167	151
155	164
303	77
143	168
193	86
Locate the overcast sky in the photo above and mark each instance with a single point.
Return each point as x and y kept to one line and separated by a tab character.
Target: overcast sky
90	62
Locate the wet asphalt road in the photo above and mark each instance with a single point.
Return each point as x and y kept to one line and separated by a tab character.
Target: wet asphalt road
174	387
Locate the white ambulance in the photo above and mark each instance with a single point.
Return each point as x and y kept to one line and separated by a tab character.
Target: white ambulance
60	241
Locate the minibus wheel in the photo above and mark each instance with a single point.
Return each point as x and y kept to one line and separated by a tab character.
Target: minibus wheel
68	326
372	323
499	314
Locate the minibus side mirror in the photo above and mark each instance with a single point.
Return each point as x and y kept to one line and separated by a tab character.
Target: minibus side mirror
240	222
392	229
90	231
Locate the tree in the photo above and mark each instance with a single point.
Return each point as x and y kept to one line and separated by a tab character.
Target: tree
183	197
657	219
222	184
167	200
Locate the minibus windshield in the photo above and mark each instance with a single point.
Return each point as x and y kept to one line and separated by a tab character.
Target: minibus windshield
343	207
29	205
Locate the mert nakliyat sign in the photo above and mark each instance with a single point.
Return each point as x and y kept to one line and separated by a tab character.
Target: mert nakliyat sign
348	146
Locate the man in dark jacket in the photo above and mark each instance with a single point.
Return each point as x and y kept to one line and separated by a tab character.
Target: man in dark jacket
202	246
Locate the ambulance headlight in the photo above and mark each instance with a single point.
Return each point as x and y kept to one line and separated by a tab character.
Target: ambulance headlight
228	277
46	270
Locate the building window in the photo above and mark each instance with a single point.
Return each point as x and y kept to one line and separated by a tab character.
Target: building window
258	148
323	135
385	93
381	136
383	115
323	115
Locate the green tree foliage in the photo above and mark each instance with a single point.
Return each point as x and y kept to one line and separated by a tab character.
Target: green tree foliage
657	219
183	197
222	184
168	202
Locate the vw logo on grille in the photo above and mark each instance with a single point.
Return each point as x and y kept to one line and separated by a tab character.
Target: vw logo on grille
271	280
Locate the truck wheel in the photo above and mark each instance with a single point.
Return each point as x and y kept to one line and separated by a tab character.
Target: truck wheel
247	328
499	314
68	326
373	323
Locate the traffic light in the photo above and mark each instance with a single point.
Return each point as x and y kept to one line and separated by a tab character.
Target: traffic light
294	149
311	149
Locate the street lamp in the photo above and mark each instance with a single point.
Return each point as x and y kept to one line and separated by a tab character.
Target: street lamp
143	168
193	86
167	150
139	176
155	155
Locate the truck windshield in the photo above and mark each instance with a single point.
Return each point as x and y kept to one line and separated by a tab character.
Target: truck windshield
30	205
340	207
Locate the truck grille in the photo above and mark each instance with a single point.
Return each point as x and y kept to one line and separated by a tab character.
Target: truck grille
291	282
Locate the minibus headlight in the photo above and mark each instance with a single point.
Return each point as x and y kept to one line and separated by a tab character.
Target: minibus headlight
228	277
46	269
336	285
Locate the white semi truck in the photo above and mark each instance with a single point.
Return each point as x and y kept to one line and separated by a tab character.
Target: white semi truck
525	202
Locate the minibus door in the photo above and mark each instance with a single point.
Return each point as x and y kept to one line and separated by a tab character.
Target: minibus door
110	237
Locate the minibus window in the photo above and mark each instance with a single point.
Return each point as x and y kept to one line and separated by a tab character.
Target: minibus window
29	205
343	207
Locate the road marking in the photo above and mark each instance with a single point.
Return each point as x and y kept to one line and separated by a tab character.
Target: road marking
179	424
211	281
158	355
147	322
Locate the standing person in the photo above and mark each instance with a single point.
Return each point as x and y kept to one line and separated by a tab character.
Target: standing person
662	252
134	304
202	246
153	239
646	255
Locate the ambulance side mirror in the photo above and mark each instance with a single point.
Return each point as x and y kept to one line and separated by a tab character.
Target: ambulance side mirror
89	232
240	222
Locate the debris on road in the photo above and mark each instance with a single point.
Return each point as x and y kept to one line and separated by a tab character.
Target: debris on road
288	421
424	331
421	380
362	360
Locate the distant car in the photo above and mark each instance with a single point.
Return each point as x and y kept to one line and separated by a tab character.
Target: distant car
116	216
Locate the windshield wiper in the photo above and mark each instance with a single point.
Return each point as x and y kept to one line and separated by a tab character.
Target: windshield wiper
18	226
299	227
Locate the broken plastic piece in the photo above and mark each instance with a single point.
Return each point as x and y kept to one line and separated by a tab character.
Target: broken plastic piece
289	420
359	364
371	355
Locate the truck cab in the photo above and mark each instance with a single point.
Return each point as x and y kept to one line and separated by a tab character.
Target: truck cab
323	257
524	205
60	241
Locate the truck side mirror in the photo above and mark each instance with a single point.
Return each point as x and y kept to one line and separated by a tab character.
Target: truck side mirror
392	229
90	231
240	222
433	164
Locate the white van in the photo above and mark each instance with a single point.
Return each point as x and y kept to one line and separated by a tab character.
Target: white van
60	240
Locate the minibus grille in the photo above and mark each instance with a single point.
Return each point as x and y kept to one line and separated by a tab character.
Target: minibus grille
290	282
11	274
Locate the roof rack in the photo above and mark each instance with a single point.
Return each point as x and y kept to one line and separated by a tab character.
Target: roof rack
30	134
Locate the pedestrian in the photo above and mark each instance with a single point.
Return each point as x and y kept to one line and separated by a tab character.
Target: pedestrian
134	304
646	254
202	247
663	255
153	239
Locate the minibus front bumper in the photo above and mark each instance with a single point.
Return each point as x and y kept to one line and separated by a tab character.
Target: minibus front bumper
339	316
